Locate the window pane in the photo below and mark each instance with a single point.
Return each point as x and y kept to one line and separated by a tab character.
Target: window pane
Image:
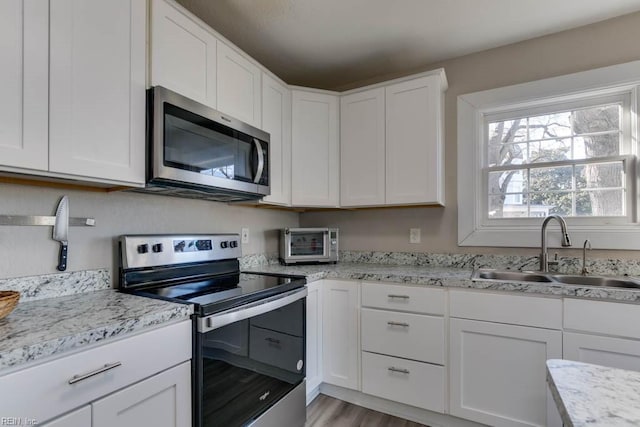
550	126
588	147
600	175
597	119
552	203
507	131
600	203
507	154
507	182
546	179
508	206
550	151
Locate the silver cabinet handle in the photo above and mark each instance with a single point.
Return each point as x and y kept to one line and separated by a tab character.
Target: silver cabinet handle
260	161
400	370
403	324
105	368
399	296
272	340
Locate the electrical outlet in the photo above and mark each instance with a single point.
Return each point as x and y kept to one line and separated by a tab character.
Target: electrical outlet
414	235
245	235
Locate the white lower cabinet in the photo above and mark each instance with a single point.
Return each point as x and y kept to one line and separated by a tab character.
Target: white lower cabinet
138	377
498	347
314	338
618	353
163	400
340	333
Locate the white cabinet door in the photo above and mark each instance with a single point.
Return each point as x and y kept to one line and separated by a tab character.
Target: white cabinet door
239	88
97	89
606	351
24	55
340	334
183	53
276	120
78	418
414	142
362	149
498	373
314	337
163	400
315	149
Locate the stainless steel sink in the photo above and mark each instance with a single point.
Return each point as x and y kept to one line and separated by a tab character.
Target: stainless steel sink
509	276
566	279
611	282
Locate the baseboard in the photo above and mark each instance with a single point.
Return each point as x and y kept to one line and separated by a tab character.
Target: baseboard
312	394
396	409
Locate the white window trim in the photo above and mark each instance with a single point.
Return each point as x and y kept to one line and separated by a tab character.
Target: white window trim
471	110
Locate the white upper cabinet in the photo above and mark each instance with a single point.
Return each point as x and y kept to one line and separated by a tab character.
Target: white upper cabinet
276	120
239	89
24	51
315	149
97	89
183	53
362	149
414	142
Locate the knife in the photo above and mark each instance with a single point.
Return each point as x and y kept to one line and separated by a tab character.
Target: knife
61	231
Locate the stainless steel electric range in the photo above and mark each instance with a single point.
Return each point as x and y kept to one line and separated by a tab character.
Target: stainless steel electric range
249	329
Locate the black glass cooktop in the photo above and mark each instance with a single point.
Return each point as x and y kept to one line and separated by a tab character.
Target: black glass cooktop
219	293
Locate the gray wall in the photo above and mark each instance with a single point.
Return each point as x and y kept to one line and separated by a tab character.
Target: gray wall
26	251
606	43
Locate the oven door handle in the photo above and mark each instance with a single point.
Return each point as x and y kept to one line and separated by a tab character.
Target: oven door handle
218	320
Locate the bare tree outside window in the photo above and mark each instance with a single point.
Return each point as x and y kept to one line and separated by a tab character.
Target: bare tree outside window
544	164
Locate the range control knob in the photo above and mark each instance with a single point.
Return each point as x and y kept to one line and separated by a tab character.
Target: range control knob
157	247
143	249
224	245
233	244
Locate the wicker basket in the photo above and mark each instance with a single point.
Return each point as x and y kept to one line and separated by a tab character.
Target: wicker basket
8	301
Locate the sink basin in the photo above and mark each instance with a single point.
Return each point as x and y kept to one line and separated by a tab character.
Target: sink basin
611	282
509	276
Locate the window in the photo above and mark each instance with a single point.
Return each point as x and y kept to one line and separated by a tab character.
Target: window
565	145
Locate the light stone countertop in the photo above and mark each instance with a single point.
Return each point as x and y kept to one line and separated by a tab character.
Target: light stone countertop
38	329
450	277
592	395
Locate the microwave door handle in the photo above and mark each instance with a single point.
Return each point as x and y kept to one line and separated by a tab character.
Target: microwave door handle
260	161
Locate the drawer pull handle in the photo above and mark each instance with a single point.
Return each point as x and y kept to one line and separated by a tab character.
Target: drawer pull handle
105	368
403	324
399	296
400	370
272	340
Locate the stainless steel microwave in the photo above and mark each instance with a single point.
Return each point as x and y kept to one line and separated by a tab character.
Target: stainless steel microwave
308	245
196	151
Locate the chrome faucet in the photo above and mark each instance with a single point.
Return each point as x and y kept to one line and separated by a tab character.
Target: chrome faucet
544	256
587	244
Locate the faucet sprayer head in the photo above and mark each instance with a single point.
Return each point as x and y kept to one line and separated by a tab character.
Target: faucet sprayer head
565	240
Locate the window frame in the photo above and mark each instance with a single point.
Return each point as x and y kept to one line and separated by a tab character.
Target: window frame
620	83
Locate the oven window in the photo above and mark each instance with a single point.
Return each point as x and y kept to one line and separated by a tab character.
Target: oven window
200	145
311	243
247	366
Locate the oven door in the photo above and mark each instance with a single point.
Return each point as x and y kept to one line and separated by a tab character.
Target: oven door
307	245
249	361
194	144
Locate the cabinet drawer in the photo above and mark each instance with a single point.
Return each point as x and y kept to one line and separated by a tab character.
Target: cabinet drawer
403	298
276	349
43	391
602	317
501	308
413	383
412	336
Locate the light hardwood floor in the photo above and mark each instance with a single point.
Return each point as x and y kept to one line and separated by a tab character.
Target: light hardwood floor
326	411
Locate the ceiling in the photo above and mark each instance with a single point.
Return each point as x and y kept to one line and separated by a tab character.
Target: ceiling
332	43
